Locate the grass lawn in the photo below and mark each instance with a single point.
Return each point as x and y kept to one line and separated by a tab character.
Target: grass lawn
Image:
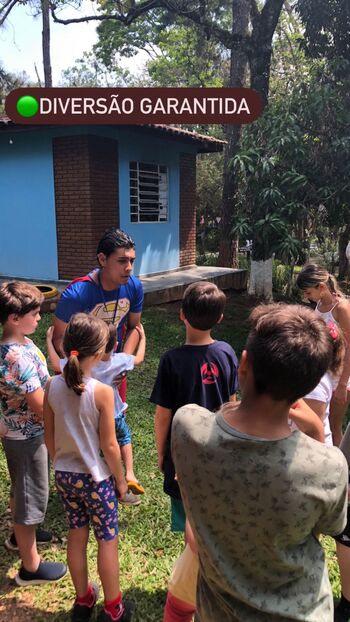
147	547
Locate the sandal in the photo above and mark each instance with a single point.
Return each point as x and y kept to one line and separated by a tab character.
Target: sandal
135	487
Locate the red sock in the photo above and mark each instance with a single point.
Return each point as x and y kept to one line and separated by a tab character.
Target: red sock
88	599
177	610
115	608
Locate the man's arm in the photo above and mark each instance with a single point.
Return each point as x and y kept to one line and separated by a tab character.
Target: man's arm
131	339
162	423
58	331
134	319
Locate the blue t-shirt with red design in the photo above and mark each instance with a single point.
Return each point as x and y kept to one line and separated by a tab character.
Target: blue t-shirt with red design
86	295
204	375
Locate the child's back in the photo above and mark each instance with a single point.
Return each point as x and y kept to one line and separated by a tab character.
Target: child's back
273	498
77	443
79	422
202	371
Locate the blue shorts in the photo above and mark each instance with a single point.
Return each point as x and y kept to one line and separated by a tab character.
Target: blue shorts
122	430
85	500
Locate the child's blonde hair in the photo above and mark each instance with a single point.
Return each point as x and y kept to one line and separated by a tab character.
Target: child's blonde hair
313	275
85	336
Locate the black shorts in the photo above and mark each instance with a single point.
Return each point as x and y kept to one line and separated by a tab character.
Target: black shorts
344	536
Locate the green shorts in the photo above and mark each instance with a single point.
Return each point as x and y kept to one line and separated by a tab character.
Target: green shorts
178	516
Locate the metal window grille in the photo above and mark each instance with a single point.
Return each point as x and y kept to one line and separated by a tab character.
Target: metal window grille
148	192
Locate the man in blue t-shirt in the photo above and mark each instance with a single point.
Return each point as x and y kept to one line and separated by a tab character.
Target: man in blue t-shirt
109	292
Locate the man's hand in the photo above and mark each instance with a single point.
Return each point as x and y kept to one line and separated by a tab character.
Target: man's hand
141	331
49	333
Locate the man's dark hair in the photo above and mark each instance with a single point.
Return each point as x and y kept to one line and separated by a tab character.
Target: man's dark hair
113	239
19	298
112	339
203	305
289	348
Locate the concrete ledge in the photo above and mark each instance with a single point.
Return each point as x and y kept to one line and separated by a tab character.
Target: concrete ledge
168	287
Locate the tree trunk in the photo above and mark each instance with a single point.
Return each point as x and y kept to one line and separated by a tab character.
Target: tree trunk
260	280
228	255
264	26
45	10
343	261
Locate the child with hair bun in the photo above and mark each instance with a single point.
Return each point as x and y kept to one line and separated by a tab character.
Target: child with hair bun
79	423
321	287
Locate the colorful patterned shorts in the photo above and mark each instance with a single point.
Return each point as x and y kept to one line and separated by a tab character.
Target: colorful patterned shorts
85	500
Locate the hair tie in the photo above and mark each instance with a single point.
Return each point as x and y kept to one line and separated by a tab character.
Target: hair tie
74	353
333	330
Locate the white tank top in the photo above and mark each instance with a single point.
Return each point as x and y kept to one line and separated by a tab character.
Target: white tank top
327	316
77	443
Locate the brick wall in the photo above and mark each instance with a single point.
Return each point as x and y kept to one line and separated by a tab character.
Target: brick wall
187	209
86	199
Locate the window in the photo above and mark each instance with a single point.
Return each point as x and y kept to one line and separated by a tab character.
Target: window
148	192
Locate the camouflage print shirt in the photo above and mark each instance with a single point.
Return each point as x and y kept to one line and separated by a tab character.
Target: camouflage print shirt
256	506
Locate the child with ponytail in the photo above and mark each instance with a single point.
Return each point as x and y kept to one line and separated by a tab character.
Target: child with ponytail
321	287
79	423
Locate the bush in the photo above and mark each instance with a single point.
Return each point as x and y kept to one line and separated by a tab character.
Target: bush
281	280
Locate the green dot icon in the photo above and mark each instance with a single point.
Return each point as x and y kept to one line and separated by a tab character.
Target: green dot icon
27	106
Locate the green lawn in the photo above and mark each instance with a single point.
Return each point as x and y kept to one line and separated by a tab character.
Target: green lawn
147	547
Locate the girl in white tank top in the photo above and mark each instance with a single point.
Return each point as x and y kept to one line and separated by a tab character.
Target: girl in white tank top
321	287
79	424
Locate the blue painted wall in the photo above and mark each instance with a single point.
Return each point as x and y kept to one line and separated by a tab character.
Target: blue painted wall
157	244
27	204
28	245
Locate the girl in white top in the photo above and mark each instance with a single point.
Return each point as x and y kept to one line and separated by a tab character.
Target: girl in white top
319	399
321	287
79	423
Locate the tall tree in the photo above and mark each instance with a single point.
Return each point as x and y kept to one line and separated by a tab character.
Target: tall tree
45	14
245	28
42	8
327	37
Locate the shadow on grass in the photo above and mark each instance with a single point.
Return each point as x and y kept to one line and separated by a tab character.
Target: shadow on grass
17	605
149	604
21	610
149	608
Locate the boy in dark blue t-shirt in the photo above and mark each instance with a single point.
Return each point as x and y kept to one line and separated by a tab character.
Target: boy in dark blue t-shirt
203	372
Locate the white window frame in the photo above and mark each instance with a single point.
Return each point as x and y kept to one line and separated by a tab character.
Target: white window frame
149	192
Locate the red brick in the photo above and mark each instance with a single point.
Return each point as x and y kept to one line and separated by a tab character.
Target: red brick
86	198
